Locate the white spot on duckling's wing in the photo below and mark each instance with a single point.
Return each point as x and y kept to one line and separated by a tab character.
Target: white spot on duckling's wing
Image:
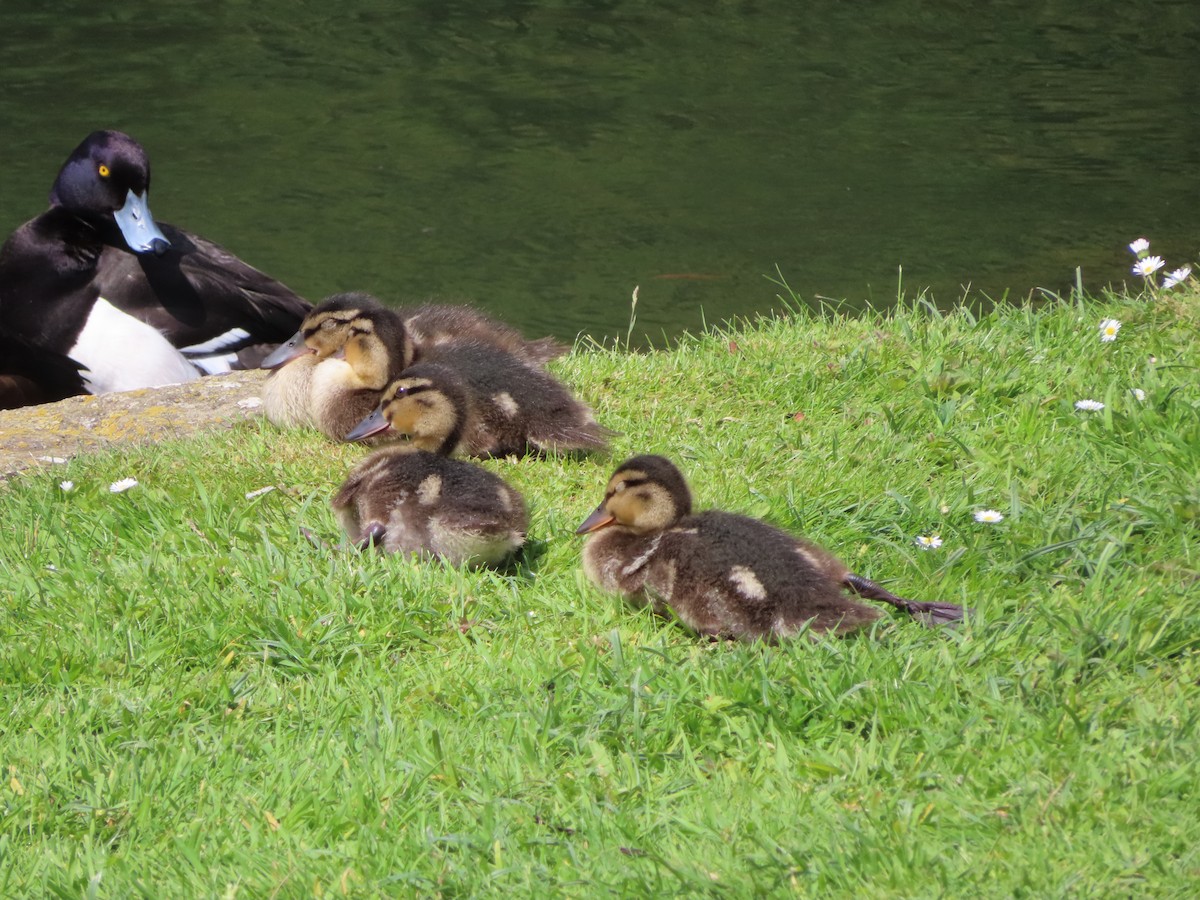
506	403
747	583
808	556
642	558
668	584
429	490
503	498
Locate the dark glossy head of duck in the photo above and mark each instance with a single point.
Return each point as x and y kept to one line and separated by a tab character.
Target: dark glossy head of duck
427	407
354	326
108	177
645	494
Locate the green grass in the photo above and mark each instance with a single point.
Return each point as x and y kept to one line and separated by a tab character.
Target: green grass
204	702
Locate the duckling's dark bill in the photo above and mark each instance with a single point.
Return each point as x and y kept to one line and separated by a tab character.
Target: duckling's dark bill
293	348
375	423
596	520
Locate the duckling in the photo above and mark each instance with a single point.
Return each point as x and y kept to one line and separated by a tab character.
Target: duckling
332	372
412	498
95	275
433	325
514	407
720	573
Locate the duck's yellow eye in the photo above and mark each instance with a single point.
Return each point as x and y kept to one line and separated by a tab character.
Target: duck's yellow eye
104	171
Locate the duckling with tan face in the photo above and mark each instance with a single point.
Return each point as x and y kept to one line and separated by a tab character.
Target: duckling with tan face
410	497
720	573
332	372
514	409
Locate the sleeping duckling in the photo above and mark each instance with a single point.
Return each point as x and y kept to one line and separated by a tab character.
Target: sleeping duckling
412	498
720	573
332	372
434	324
515	408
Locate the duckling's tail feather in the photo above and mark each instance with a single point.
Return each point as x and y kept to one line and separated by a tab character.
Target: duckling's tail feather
572	439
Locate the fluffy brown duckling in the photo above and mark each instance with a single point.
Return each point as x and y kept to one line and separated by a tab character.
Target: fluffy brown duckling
432	325
513	408
332	372
412	498
720	573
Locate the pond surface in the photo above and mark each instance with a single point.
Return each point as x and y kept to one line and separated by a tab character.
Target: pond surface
542	159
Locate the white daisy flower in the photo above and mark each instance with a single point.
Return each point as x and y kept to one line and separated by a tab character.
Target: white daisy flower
118	487
1089	405
1108	330
1138	394
67	486
1169	281
1148	266
929	541
1141	245
990	516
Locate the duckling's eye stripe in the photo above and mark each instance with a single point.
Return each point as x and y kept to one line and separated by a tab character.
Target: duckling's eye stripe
621	486
415	389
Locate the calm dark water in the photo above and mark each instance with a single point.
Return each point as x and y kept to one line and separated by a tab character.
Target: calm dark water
544	158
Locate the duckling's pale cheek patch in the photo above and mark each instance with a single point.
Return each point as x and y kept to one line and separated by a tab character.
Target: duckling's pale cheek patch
747	583
507	404
429	490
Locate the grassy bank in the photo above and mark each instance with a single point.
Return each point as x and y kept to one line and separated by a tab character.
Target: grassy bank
203	701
